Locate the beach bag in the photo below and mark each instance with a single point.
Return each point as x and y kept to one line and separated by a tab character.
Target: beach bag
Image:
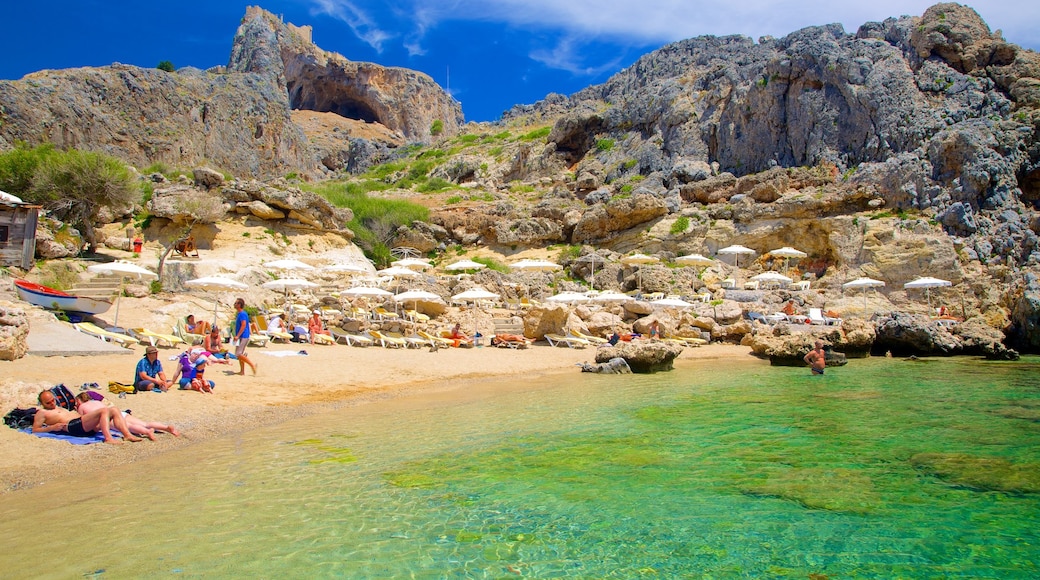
20	418
119	388
64	397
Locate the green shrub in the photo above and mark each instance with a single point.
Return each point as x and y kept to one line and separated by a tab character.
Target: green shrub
502	136
492	264
375	219
453	200
18	166
537	134
604	145
166	66
468	138
629	164
680	225
434	185
437	127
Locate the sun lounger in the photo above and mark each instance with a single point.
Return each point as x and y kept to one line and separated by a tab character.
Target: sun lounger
568	341
188	338
511	341
387	341
255	338
320	338
416	316
440	341
350	339
588	338
384	314
816	316
98	332
262	328
154	338
409	341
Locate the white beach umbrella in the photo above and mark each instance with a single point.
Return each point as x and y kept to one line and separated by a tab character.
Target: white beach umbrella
124	270
474	295
535	266
772	278
736	251
286	284
592	259
640	260
694	260
609	297
863	284
787	253
418	296
215	284
398	272
412	263
348	268
463	265
671	303
367	291
927	283
567	298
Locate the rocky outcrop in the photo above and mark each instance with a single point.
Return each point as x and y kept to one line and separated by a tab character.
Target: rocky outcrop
238	122
14	331
643	356
906	334
238	118
402	100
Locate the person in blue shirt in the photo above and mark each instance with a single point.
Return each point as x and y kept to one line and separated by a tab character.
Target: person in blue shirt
149	373
242	336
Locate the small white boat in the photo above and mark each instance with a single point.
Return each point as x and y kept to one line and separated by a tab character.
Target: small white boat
52	299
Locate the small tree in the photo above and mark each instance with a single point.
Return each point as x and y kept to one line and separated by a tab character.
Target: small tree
18	166
200	208
75	185
166	66
437	127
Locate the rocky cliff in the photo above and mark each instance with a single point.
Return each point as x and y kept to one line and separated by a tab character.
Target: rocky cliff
238	119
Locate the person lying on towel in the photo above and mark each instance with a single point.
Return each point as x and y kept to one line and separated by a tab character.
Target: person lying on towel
55	419
85	405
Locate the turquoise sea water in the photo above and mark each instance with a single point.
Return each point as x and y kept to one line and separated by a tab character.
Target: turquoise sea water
720	469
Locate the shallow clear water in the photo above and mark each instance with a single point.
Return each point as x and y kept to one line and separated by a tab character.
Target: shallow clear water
880	469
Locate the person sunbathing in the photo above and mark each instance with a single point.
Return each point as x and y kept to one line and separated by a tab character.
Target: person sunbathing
316	326
457	335
85	404
214	345
55	419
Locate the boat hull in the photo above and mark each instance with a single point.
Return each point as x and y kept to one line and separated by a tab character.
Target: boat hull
52	299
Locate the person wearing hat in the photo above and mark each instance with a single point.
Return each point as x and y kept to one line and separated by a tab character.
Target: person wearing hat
149	374
315	325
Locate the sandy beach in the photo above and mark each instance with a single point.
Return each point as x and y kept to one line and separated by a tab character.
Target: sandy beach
285	386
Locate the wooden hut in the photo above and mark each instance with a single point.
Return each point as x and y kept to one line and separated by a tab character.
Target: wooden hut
18	234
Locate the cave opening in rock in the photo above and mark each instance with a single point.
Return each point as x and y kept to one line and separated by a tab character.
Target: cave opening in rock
330	98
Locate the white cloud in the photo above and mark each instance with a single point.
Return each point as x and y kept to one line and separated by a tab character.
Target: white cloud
360	23
642	22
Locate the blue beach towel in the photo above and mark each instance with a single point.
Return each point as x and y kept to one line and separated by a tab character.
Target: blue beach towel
97	438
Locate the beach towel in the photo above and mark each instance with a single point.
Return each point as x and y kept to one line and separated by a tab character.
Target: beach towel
20	418
97	438
286	353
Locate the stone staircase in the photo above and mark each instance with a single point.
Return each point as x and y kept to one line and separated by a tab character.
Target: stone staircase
100	286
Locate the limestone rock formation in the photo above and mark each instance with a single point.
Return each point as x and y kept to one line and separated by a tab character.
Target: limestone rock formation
643	356
402	100
238	122
14	329
238	118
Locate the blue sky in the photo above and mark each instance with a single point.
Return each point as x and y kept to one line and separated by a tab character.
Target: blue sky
491	54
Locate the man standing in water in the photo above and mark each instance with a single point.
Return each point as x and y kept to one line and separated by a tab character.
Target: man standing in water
242	336
816	358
